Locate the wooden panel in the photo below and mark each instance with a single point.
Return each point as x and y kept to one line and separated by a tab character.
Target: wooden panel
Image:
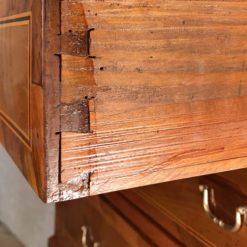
164	87
164	221
15	74
116	95
21	101
169	214
142	221
181	202
235	179
14	7
107	226
29	91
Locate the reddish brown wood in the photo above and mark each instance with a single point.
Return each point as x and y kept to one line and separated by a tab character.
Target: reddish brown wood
169	214
126	94
21	106
235	180
15	45
106	225
228	192
37	41
181	203
142	221
167	91
51	85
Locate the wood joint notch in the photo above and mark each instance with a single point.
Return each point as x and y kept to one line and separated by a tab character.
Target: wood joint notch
78	117
77	43
89	42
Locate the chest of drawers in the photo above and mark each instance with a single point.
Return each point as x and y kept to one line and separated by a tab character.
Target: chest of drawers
169	214
100	96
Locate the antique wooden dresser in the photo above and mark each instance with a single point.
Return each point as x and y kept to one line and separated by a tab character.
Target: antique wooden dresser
99	96
174	214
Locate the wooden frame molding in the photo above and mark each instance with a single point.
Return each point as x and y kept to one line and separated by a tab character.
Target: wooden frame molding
22	128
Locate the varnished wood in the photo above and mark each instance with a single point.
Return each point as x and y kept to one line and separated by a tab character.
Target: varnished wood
142	221
15	74
108	227
169	214
166	91
126	94
21	130
181	203
235	180
229	193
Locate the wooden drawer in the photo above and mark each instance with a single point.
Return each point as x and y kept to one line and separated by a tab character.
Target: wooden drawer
169	214
177	208
107	226
100	96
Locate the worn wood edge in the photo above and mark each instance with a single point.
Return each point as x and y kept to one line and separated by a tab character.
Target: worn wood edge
51	85
168	223
90	185
160	176
61	121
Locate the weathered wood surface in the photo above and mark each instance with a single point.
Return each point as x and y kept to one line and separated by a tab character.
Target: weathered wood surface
166	86
131	93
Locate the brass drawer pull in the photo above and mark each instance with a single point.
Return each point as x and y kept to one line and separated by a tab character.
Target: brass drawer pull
240	218
87	238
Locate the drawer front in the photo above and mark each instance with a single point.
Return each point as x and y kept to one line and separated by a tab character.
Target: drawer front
177	207
142	221
94	223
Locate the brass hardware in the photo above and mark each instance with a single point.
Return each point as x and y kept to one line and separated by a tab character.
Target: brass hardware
240	218
87	238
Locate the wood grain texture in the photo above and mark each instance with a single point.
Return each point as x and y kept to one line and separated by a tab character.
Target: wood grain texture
21	95
163	220
166	83
37	41
107	226
51	85
169	214
181	203
131	93
15	74
141	220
